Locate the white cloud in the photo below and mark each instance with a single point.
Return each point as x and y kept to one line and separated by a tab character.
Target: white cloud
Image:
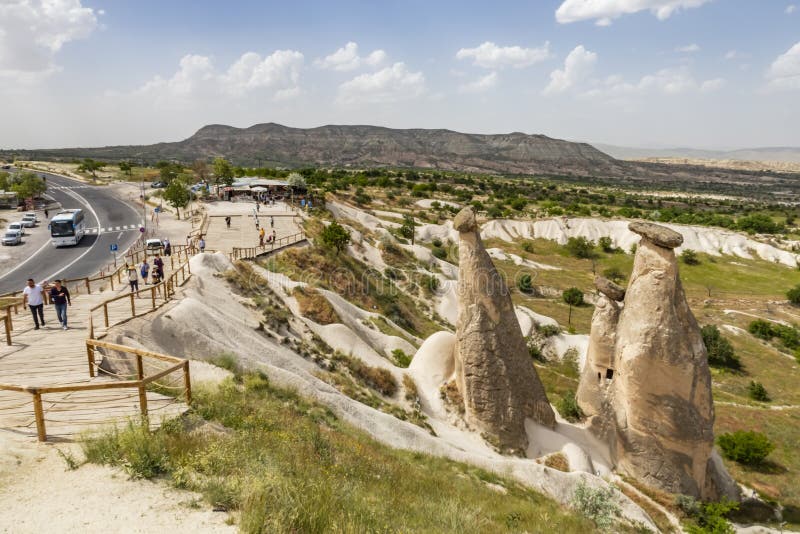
791	8
196	77
671	81
346	59
490	56
390	84
784	73
688	49
604	11
33	31
481	85
578	65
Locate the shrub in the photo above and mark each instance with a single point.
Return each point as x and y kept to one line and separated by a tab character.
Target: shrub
689	257
568	407
336	236
315	306
720	350
710	518
606	244
378	378
525	283
761	329
580	247
794	295
758	223
557	461
597	504
614	274
535	352
439	252
431	283
757	391
401	358
527	246
548	330
745	447
436	242
141	453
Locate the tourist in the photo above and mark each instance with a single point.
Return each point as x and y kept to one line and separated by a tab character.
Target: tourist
133	278
202	244
46	214
273	236
32	297
228	221
145	270
167	248
59	296
158	263
261	234
271	221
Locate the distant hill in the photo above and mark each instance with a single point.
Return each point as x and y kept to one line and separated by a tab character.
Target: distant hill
363	146
776	154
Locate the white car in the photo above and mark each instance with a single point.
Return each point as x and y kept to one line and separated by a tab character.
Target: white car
11	237
29	215
27	222
17	226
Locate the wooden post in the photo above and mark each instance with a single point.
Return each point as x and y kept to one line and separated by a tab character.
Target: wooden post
105	313
8	318
90	356
139	367
7	322
143	400
111	278
133	304
187	382
88	286
153	296
38	413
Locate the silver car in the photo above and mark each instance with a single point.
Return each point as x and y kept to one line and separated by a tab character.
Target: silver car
28	222
11	237
18	227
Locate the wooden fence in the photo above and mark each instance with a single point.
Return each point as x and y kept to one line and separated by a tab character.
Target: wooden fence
242	253
146	376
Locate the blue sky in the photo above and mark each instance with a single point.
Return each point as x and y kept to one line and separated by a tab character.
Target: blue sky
701	73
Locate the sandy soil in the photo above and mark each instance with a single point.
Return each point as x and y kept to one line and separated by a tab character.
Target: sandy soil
39	494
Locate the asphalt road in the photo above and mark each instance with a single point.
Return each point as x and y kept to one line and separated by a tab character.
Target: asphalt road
105	215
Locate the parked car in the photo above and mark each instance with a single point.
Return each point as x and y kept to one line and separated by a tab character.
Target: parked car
12	237
17	226
30	215
154	246
28	221
158	185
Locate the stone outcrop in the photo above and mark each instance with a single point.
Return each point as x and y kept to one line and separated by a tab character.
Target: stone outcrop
646	382
493	370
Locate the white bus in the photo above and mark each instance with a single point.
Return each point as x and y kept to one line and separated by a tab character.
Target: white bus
67	228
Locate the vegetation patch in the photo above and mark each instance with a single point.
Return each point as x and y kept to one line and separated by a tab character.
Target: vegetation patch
378	378
315	306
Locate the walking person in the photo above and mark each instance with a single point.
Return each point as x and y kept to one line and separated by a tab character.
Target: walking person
261	234
133	278
271	221
158	263
273	236
228	221
46	214
59	296
145	270
32	297
167	248
202	244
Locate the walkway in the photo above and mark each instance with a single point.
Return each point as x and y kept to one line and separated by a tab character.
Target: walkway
51	356
243	232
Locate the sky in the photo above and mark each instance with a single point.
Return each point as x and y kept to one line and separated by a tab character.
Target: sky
642	73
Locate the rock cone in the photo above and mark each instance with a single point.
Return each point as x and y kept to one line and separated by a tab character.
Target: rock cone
652	400
494	372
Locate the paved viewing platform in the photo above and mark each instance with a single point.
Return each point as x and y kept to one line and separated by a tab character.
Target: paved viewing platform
243	233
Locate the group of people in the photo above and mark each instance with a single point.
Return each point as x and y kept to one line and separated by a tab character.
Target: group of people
33	296
262	234
155	275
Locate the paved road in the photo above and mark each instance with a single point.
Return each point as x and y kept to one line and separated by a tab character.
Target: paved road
108	220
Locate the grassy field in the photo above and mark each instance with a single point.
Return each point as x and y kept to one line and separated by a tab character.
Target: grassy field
286	465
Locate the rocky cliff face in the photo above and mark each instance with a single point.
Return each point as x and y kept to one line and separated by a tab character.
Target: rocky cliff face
652	401
493	370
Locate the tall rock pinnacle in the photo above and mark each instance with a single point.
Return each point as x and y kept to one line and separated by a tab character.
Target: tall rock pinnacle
494	372
646	380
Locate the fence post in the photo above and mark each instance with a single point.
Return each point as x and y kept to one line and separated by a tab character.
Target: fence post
88	286
139	367
38	414
133	305
105	313
6	321
111	278
187	382
8	318
90	356
153	296
143	400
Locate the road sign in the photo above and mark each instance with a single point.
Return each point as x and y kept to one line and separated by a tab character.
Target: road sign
157	209
141	229
114	247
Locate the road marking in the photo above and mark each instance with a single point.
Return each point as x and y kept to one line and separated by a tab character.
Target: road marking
120	235
47	243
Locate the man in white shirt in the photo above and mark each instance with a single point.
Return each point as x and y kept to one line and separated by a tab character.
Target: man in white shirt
33	298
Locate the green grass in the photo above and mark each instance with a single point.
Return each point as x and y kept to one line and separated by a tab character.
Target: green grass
287	465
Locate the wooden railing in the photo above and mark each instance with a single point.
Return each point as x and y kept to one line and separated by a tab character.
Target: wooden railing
159	294
242	253
144	377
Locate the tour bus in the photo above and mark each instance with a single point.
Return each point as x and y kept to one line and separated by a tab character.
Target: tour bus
67	228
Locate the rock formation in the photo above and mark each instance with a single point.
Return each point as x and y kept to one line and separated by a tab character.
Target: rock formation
652	401
494	373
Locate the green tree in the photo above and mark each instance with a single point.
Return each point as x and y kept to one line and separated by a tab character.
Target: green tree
757	391
28	185
606	244
91	166
580	247
177	195
223	171
745	447
126	167
296	181
574	297
720	351
336	236
525	283
5	181
689	257
200	168
794	295
407	228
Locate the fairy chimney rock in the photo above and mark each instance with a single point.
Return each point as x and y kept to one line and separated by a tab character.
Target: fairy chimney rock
609	288
494	373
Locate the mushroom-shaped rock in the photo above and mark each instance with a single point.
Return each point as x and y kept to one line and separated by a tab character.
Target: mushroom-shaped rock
493	369
609	288
660	235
